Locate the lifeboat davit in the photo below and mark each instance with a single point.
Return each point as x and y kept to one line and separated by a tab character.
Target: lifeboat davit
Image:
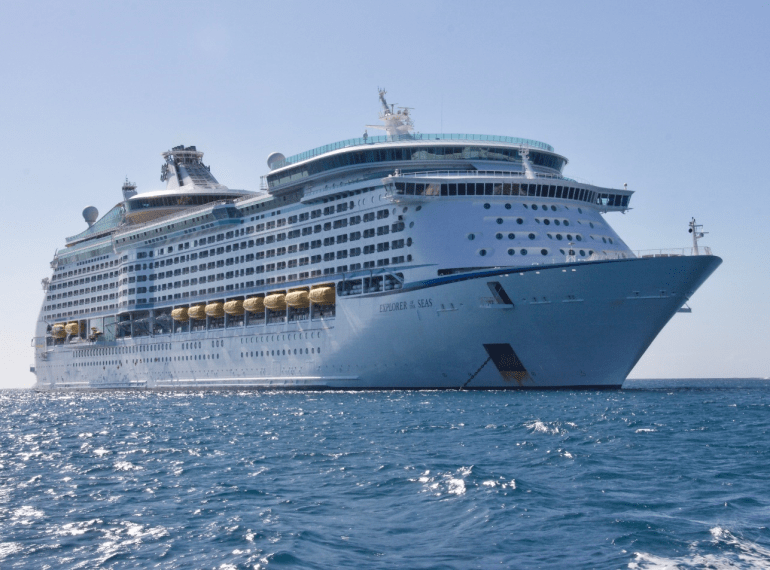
322	295
215	310
298	299
180	314
276	302
197	312
234	307
255	305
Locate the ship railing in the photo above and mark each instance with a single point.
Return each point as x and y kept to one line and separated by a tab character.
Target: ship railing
674	252
477	174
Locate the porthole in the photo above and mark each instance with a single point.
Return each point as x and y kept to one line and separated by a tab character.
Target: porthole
604	240
405	209
566	222
409	241
499	220
486	206
569	237
547	222
570	252
499	236
557	222
591	224
610	239
537	220
580	210
507	206
579	237
549	236
471	237
482	252
531	236
525	206
511	236
519	221
553	208
590	252
418	208
534	206
523	252
558	236
544	251
411	224
511	251
582	252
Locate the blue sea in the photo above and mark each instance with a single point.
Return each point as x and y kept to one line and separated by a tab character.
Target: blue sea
654	476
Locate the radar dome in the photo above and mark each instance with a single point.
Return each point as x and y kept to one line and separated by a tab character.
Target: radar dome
90	215
274	159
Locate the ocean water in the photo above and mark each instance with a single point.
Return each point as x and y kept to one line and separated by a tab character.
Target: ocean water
639	479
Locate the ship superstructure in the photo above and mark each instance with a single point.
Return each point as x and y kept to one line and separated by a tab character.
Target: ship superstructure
406	260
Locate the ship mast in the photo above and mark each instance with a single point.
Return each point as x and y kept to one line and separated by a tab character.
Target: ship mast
695	230
398	123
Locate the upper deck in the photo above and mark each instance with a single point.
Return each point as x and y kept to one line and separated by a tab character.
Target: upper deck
404	151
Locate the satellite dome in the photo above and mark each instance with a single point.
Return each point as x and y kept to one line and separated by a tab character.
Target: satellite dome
90	215
274	159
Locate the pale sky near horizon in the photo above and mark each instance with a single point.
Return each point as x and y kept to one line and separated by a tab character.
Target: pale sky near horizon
669	97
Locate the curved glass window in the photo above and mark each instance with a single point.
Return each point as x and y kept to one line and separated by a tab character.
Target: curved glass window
411	153
139	203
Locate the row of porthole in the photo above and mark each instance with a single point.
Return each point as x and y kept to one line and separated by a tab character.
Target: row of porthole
487	206
578	237
273	338
512	251
279	352
547	222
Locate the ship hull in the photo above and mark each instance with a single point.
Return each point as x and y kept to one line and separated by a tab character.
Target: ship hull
573	325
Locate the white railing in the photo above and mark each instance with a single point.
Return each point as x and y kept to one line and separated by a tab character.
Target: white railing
673	252
479	174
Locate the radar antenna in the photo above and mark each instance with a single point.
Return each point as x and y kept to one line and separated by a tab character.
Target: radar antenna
397	124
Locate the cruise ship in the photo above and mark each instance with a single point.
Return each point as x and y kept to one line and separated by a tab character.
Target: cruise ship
400	261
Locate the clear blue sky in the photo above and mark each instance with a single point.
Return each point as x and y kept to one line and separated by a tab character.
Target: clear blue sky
669	97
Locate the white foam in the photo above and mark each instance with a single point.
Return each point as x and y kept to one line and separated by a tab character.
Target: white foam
540	427
734	553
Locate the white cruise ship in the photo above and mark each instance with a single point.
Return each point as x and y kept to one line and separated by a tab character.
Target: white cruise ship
406	260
